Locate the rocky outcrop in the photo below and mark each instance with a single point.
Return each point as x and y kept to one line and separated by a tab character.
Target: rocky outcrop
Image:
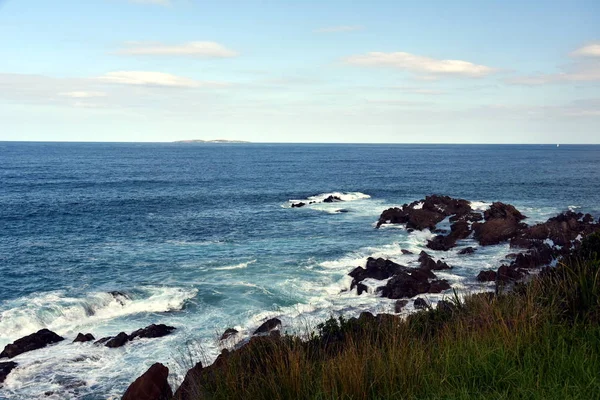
5	368
487	276
117	341
151	385
376	268
467	250
406	284
152	331
298	205
268	326
425	214
88	337
229	332
428	263
458	230
188	390
332	199
38	340
502	222
420	303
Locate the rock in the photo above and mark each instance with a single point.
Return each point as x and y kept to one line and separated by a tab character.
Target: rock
152	385
120	297
5	368
88	337
376	269
399	305
459	230
332	199
188	390
103	340
360	289
420	303
467	250
406	251
502	222
117	341
38	340
229	332
152	331
427	263
268	326
404	285
537	256
342	211
298	205
438	286
508	273
486	276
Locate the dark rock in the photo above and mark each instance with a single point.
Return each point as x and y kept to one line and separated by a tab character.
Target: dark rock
332	199
404	285
467	250
399	305
406	251
420	303
152	331
38	340
152	385
229	332
117	341
268	326
5	368
298	205
508	273
458	230
120	297
486	276
342	211
502	222
438	286
376	269
189	387
103	340
427	263
360	289
88	337
537	256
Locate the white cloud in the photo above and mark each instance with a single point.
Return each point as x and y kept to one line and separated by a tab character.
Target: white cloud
341	28
590	50
421	64
150	78
157	2
580	72
196	49
82	94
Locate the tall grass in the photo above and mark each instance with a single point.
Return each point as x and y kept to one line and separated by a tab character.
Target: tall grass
540	340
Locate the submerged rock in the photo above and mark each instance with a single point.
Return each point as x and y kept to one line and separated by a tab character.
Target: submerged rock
467	250
88	337
5	368
151	385
38	340
298	205
152	331
117	341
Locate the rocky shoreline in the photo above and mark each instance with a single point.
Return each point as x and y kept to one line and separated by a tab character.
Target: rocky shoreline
534	247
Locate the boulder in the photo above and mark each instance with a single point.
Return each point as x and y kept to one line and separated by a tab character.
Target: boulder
117	341
152	331
405	285
332	199
361	288
298	205
438	286
486	276
5	368
467	250
502	222
458	230
508	273
268	326
151	385
427	263
406	251
229	332
399	305
88	337
537	256
38	340
188	390
420	303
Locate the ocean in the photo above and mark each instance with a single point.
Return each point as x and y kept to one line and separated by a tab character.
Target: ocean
202	237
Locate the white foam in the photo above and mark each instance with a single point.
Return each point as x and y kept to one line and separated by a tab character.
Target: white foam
480	205
236	266
319	198
62	313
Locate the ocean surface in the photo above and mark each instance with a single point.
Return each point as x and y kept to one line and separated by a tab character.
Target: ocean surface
202	237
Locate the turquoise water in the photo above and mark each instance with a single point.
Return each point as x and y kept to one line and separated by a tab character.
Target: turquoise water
202	237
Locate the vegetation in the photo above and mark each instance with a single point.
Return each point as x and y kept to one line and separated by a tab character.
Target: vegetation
539	340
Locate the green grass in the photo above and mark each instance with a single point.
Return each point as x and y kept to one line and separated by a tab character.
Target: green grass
540	340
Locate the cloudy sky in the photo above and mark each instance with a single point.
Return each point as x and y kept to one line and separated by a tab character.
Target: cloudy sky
394	71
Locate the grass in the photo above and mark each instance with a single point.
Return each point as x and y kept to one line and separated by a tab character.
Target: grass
540	340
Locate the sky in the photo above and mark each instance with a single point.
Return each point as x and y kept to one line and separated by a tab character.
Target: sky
396	71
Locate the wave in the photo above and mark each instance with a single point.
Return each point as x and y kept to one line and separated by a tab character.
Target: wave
236	266
480	205
319	198
61	313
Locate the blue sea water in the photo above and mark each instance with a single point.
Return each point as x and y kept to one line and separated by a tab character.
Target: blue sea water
202	237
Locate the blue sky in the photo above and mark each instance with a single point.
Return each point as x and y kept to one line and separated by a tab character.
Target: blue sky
301	71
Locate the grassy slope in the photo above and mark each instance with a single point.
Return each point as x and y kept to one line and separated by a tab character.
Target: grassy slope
538	341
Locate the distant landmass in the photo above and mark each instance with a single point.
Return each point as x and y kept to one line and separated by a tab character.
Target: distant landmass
210	141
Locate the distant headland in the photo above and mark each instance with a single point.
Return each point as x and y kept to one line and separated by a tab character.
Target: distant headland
210	141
